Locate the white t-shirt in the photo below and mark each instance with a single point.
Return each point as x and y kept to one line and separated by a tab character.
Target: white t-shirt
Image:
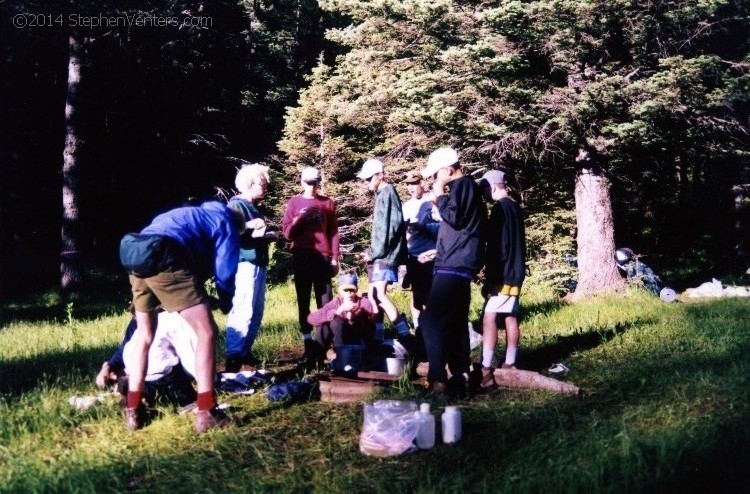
174	343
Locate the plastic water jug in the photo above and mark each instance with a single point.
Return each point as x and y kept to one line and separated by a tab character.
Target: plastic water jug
451	421
426	431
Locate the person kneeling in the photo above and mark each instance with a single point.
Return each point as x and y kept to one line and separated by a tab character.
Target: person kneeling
171	362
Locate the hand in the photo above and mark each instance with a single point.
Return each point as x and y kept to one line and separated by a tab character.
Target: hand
334	267
427	256
102	379
256	224
348	306
438	188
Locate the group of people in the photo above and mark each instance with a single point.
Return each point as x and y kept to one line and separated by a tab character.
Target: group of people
443	235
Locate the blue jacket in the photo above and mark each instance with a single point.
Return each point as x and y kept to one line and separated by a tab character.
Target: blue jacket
210	240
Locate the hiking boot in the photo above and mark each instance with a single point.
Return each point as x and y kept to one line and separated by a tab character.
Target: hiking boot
209	419
488	378
134	418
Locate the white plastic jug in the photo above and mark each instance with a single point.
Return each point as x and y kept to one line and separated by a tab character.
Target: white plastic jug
451	421
426	431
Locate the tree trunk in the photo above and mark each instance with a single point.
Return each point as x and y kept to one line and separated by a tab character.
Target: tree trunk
70	268
597	271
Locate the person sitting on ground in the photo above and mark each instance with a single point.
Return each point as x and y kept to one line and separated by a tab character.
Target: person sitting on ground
243	321
348	319
505	270
387	249
171	362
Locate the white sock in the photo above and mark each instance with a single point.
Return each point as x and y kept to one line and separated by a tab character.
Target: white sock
510	355
487	356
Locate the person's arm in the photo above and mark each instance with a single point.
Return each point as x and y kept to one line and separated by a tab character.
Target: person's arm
395	219
116	364
453	207
333	236
292	221
426	221
379	237
325	314
226	259
289	220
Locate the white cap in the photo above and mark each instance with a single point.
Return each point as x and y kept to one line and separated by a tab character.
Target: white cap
370	168
439	158
310	174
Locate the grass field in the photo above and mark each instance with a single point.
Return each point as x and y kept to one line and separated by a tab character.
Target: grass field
665	407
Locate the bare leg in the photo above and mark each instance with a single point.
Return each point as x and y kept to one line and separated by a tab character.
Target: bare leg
142	339
382	299
489	335
415	311
512	335
199	318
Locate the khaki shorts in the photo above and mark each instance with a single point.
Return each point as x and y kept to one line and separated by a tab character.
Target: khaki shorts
175	290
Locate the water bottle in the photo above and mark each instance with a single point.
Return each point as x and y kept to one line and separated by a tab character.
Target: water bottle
426	431
451	421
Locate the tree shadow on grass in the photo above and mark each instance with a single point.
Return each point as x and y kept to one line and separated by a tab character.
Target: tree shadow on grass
543	357
20	375
85	310
546	307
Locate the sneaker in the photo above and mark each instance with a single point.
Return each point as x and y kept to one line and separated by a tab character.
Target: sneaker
488	378
209	419
509	366
134	418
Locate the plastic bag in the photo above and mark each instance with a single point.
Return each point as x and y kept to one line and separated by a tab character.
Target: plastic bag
390	428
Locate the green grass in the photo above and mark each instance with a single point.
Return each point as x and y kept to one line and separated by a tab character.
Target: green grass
665	407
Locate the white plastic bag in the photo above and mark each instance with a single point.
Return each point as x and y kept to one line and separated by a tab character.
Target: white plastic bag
390	428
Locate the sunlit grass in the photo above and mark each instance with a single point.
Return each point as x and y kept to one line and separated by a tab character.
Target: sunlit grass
665	406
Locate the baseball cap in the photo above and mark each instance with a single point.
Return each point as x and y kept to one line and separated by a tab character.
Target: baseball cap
310	174
438	159
492	177
370	168
412	178
348	280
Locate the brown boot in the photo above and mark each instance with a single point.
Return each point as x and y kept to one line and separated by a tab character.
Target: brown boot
134	418
488	378
208	419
